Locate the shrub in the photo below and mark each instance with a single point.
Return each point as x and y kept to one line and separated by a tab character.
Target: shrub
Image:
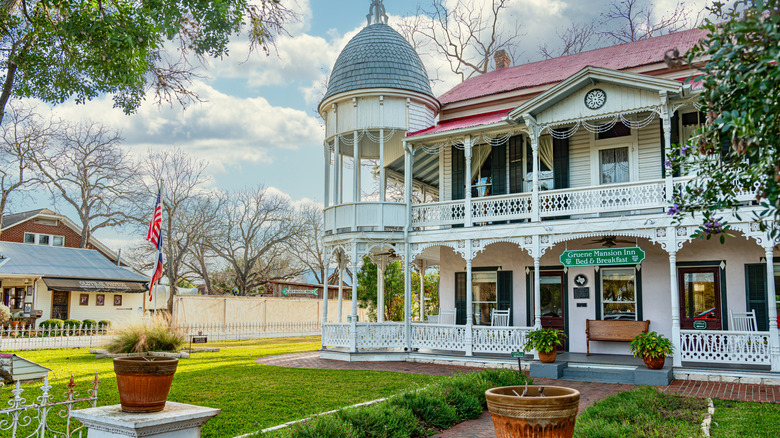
73	323
429	406
104	323
324	426
154	334
383	421
53	323
5	314
89	323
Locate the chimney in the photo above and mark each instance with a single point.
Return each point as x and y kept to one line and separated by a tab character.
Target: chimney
502	59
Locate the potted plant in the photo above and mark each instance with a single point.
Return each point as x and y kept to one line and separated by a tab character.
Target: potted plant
144	381
533	411
652	348
545	341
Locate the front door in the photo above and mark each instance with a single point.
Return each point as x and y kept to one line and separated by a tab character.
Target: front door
700	298
552	295
59	305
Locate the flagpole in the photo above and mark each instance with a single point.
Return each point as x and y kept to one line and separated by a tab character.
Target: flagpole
158	280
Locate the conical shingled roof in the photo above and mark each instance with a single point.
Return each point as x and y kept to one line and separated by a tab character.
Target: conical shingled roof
378	57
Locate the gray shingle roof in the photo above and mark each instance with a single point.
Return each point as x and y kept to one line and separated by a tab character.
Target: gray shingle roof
9	220
52	261
378	57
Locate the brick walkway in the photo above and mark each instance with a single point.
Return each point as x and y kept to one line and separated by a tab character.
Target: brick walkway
590	393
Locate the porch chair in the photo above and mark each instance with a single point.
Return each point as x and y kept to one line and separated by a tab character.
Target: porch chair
447	317
499	318
743	321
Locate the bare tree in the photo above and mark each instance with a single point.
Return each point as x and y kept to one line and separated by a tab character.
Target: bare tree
86	167
203	221
633	20
254	242
183	178
24	136
306	246
576	38
467	34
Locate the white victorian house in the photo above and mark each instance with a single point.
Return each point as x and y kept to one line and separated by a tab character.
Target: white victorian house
540	189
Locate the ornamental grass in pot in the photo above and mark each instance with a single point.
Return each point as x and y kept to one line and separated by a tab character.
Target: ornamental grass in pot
144	381
652	348
545	341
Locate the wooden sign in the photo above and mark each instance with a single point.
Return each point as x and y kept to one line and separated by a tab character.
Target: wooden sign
199	339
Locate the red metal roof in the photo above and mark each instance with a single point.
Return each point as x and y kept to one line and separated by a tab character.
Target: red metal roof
464	122
620	57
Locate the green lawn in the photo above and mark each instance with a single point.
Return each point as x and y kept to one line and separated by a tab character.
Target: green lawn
251	396
745	419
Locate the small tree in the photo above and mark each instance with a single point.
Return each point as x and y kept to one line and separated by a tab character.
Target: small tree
737	148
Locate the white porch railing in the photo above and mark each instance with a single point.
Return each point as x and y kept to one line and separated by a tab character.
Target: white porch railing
503	207
438	213
604	198
378	216
439	336
499	339
335	335
725	347
384	335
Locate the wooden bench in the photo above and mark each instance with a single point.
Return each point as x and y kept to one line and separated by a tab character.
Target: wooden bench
623	331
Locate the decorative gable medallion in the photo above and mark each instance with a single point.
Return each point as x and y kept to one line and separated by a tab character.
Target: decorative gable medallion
595	98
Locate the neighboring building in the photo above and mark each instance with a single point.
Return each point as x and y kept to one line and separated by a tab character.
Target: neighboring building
522	165
68	283
48	228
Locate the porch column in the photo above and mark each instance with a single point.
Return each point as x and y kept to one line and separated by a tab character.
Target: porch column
675	295
356	263
382	183
469	299
666	122
340	261
774	336
338	171
326	185
407	300
356	195
381	266
422	289
537	293
325	292
467	181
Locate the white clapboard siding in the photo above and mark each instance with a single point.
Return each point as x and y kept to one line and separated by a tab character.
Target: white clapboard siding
445	174
420	117
23	369
649	139
579	159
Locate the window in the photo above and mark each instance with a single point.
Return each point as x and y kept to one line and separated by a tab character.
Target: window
546	176
617	130
484	287
700	297
44	239
482	171
618	294
613	165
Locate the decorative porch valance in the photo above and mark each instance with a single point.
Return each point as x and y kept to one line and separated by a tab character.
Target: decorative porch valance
88	285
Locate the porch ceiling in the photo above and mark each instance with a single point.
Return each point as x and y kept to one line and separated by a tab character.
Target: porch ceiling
425	169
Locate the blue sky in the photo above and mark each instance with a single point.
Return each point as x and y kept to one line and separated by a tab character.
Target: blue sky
258	123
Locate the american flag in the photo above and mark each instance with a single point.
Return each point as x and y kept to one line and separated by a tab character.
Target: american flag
154	226
158	268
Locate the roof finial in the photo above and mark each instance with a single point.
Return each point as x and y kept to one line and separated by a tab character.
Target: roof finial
378	11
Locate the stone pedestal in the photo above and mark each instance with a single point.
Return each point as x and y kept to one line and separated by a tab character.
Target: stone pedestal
177	420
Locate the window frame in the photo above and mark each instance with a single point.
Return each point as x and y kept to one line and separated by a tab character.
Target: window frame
720	291
37	239
637	292
630	141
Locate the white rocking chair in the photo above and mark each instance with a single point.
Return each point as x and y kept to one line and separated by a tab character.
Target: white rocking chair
499	318
743	321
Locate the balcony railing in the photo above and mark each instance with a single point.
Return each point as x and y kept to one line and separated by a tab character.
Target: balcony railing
365	216
602	199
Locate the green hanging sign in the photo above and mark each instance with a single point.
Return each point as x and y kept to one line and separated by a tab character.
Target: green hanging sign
700	325
603	257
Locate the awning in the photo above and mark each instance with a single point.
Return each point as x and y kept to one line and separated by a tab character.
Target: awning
86	285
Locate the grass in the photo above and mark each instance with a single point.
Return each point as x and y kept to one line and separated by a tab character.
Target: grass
643	412
251	396
745	419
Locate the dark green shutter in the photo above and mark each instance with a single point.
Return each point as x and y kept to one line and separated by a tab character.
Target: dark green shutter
755	279
516	164
505	293
561	163
498	156
460	298
458	172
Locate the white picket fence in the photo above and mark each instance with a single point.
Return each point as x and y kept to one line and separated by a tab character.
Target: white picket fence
28	338
42	416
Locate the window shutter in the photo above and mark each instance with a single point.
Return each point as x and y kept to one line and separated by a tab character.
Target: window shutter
516	164
505	293
755	277
561	163
498	155
458	173
460	298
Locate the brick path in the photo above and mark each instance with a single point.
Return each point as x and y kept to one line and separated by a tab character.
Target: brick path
590	393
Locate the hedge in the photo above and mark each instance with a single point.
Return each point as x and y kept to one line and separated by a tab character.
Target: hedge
53	323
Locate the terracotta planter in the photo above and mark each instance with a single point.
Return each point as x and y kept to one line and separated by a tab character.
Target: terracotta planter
547	357
15	324
654	363
144	382
550	416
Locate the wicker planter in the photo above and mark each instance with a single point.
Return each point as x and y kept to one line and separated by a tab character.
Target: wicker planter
654	363
550	416
547	357
144	382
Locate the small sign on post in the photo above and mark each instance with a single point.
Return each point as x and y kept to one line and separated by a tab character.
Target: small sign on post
700	325
519	355
197	339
